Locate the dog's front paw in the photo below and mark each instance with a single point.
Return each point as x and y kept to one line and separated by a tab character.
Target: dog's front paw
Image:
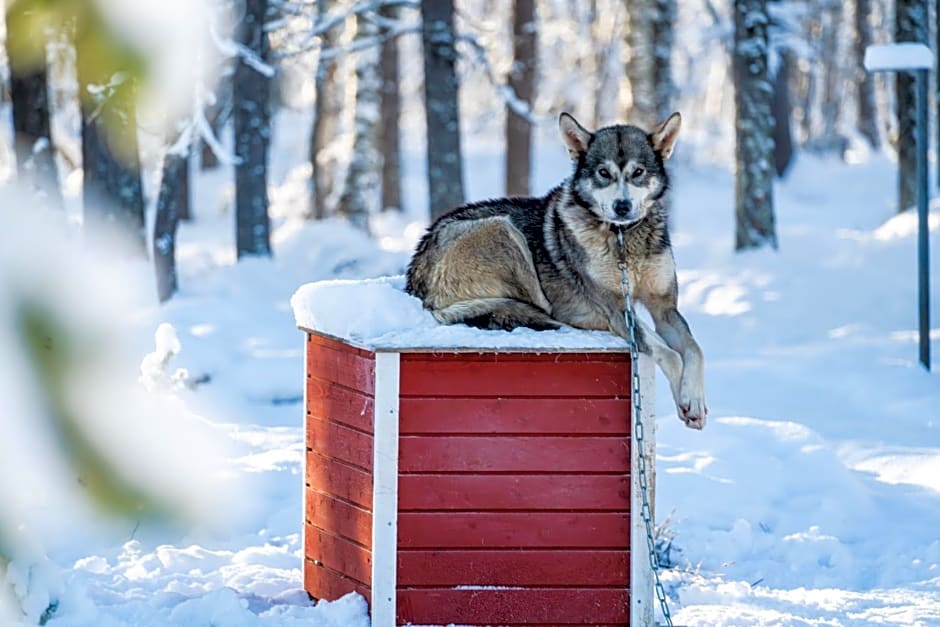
691	406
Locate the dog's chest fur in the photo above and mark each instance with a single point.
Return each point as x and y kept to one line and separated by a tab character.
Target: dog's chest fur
587	289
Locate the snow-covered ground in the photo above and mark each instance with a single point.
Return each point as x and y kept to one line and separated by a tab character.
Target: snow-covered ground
811	498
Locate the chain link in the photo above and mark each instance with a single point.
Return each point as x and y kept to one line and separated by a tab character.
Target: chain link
646	512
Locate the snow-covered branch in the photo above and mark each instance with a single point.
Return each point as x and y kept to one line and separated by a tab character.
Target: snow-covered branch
516	104
322	24
205	133
359	45
232	49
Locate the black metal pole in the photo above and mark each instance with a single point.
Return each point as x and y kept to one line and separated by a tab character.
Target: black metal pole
923	198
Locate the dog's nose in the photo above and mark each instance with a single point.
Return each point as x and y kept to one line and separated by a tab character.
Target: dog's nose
622	207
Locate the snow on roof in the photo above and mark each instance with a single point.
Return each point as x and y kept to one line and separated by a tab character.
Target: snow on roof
900	56
377	314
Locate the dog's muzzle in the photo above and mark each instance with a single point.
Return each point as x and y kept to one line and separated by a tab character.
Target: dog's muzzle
623	208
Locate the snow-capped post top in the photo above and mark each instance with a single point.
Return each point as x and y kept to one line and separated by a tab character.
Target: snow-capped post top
900	56
377	314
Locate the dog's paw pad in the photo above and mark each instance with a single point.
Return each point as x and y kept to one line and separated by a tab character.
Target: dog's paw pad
693	414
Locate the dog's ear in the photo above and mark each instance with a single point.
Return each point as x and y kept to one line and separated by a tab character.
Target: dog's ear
665	135
575	136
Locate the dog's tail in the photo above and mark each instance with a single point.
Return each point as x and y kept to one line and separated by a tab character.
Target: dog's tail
496	313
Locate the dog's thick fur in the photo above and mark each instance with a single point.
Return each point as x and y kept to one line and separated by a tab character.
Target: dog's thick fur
542	262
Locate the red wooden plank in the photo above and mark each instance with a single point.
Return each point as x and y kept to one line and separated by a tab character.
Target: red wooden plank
515	415
513	454
515	378
339	518
513	568
345	367
322	583
334	477
331	401
443	355
337	441
499	492
556	606
496	530
338	554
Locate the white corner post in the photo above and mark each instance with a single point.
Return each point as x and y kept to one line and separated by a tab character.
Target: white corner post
641	574
385	490
303	421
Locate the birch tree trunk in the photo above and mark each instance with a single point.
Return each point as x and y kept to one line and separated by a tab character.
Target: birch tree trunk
867	104
910	26
640	62
833	88
327	110
754	124
663	38
522	80
604	30
365	170
445	177
391	114
35	156
251	90
650	27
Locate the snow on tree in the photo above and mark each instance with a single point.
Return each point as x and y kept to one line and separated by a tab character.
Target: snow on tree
445	169
112	191
910	26
217	115
390	115
251	87
754	125
522	76
363	177
29	94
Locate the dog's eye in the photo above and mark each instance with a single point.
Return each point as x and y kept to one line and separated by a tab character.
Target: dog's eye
638	173
604	173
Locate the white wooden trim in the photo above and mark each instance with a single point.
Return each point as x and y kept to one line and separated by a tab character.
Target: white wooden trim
385	490
641	575
303	501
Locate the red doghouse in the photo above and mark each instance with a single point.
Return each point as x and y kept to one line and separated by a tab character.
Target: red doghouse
481	486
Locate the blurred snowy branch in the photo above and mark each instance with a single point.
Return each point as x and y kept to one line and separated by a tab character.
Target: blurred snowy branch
320	25
232	49
516	104
81	437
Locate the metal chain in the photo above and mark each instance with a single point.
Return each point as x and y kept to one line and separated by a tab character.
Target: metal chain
646	512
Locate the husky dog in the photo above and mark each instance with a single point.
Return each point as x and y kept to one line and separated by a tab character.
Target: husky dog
544	262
